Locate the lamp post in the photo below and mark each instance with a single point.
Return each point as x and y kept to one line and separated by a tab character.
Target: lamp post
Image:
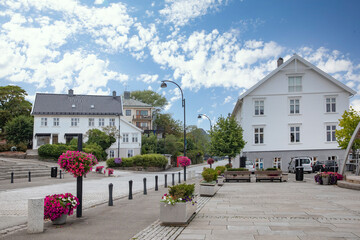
164	85
201	115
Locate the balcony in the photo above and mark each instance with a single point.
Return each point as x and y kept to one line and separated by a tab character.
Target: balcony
142	117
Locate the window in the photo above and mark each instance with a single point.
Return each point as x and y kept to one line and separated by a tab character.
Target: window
130	152
259	163
259	107
41	140
55	139
101	122
330	104
125	137
144	124
43	122
128	112
295	134
111	153
112	122
332	158
259	135
142	112
294	106
56	122
91	122
135	138
74	122
330	133
277	163
295	84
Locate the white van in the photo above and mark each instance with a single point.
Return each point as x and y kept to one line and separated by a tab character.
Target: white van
305	162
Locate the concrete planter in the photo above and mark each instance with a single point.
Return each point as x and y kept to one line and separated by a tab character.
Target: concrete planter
220	180
177	214
207	189
60	220
325	180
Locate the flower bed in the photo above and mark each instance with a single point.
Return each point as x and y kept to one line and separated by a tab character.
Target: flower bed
99	169
59	204
333	177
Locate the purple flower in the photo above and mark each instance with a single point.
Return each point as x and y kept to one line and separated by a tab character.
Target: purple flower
117	160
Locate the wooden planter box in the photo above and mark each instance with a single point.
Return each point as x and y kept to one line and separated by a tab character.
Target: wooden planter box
178	214
268	175
207	189
237	175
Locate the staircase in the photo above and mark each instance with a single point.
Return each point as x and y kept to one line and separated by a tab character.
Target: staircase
350	182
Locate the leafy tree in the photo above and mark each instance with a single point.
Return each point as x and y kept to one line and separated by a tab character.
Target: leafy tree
199	138
19	129
150	97
100	138
226	138
170	126
12	103
349	121
148	144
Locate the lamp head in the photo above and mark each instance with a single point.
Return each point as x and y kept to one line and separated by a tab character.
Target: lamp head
199	116
163	85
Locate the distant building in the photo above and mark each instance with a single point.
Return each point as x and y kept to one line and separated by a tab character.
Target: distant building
60	117
292	112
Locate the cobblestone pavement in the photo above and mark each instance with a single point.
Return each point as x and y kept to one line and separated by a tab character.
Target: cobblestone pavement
273	210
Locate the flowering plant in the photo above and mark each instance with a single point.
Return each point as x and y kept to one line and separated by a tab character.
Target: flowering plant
118	160
184	161
77	163
170	200
58	204
333	177
99	169
180	193
210	161
110	171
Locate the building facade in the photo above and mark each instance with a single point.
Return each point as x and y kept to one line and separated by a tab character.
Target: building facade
294	111
58	118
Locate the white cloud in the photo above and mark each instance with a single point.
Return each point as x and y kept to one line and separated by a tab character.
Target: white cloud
200	110
98	2
180	12
356	104
146	78
228	99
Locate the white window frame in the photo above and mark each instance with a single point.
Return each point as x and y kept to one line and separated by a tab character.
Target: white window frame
296	130
43	122
56	122
112	122
259	163
330	129
75	122
101	122
259	135
294	102
277	162
91	122
130	153
125	137
134	138
295	84
259	107
111	153
330	104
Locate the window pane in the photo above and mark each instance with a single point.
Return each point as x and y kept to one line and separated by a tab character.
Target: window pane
333	107
261	138
297	137
291	108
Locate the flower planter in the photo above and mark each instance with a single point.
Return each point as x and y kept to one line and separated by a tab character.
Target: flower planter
325	180
177	214
220	180
60	220
207	189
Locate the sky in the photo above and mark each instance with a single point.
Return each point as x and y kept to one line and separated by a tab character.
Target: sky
214	49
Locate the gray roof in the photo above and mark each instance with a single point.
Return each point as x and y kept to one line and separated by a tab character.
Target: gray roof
134	103
65	104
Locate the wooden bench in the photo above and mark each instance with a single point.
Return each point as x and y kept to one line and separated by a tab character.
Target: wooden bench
268	175
237	175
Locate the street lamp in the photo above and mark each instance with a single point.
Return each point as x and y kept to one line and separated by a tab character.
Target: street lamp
164	85
201	115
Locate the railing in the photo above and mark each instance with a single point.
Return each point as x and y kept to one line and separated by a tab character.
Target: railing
142	117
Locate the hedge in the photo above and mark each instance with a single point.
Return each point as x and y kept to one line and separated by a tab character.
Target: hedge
21	147
145	160
237	169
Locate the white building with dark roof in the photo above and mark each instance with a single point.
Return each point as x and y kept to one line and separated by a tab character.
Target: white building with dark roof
294	111
60	117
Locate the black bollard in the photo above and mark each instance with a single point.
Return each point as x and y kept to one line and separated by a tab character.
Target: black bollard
184	173
60	174
111	194
130	189
29	176
156	183
179	177
79	184
173	179
12	177
145	192
165	180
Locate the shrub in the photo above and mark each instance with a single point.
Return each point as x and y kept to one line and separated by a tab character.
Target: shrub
110	163
127	162
196	156
229	165
46	151
220	169
272	169
5	147
209	174
96	150
238	169
182	190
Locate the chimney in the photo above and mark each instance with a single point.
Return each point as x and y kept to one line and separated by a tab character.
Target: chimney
71	92
126	95
280	61
114	94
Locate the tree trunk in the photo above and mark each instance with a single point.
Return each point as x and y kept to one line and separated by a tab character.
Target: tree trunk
229	160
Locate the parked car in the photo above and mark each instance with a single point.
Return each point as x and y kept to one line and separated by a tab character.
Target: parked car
305	162
325	166
250	166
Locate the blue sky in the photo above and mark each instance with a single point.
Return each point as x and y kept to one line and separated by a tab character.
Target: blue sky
214	49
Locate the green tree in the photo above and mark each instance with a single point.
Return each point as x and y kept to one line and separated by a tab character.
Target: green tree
12	104
348	123
100	138
199	138
226	138
170	126
19	129
150	97
148	144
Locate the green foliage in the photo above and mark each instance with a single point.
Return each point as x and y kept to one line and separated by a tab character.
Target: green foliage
228	166
100	138
196	156
182	190
19	129
226	138
148	144
21	147
127	162
272	169
209	174
237	169
12	104
197	139
146	160
110	163
96	150
349	121
170	126
220	169
150	97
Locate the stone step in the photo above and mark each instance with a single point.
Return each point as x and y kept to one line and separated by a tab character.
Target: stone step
353	179
348	185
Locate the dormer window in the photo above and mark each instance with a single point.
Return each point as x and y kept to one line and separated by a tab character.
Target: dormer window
73	106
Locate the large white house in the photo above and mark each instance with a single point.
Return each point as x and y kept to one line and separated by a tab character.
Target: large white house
60	117
292	112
